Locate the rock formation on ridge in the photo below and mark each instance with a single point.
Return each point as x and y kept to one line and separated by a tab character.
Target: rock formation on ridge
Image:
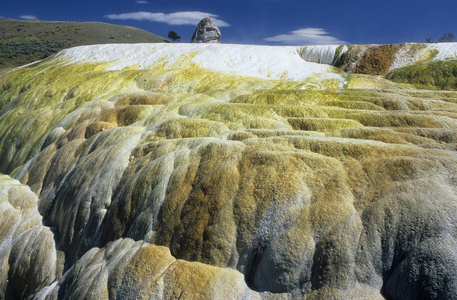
206	32
245	172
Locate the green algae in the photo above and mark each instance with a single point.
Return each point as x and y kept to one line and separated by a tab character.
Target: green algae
38	98
341	57
441	75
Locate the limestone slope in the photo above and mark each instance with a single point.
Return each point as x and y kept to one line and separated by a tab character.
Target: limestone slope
224	171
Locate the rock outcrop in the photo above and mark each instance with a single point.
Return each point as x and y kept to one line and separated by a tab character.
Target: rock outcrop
206	32
177	174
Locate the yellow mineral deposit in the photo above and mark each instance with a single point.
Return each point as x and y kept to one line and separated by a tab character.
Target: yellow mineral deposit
227	172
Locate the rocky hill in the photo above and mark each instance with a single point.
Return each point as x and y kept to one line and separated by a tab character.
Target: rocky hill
23	42
198	171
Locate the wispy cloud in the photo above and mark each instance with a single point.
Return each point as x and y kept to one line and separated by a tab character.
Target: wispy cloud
141	2
176	18
28	17
306	36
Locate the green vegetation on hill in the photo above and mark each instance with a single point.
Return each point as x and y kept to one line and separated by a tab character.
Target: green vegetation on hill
440	75
23	42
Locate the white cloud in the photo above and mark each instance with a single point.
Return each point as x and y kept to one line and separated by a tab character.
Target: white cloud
141	2
306	36
28	17
176	18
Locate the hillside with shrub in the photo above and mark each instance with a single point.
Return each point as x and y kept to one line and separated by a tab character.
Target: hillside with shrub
23	42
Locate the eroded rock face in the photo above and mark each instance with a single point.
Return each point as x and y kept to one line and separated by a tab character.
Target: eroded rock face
176	181
206	32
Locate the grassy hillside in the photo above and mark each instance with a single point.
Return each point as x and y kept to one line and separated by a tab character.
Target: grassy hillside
22	42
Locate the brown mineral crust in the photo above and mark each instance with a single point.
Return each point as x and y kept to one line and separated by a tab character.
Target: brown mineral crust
377	60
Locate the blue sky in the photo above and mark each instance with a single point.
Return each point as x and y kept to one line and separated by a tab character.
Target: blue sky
260	21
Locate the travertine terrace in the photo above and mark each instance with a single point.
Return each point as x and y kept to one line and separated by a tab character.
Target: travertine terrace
205	171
